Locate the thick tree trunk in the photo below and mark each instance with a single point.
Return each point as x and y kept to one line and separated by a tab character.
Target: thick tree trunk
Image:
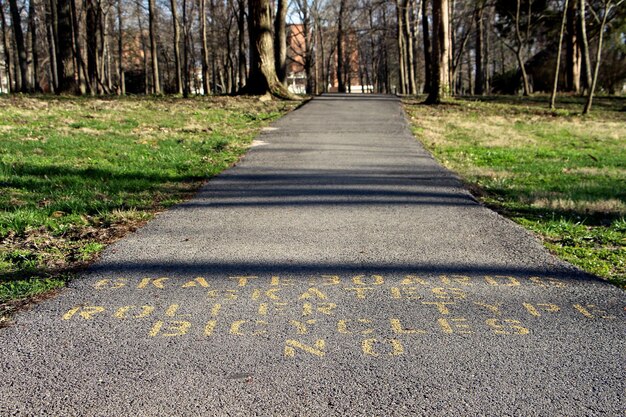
440	81
402	70
50	33
18	36
427	47
572	51
177	64
280	40
558	57
262	78
186	84
408	45
154	54
64	50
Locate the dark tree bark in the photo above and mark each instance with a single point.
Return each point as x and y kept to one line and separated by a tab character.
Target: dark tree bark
341	86
280	40
586	54
241	44
65	50
18	36
92	46
120	50
51	20
262	78
440	81
479	83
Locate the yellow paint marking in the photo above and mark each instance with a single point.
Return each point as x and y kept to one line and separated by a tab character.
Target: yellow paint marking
215	310
235	327
271	294
210	327
172	311
375	280
309	309
174	328
264	308
547	282
534	309
368	347
442	306
342	326
86	312
300	326
277	281
409	293
454	325
157	282
456	279
502	280
592	311
317	349
413	279
111	284
449	293
242	281
224	294
398	328
494	308
330	280
361	292
199	281
121	312
507	326
312	293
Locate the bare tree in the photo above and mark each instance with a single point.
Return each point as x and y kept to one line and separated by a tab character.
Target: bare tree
177	63
280	40
154	56
440	82
558	57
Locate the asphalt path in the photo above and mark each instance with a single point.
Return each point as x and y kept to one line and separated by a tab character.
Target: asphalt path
338	270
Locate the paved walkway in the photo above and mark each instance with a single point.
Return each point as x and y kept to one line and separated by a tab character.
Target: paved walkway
338	270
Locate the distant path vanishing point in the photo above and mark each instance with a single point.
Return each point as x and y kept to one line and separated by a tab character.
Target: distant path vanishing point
338	270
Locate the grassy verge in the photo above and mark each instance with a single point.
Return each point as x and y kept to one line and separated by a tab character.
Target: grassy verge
559	174
78	173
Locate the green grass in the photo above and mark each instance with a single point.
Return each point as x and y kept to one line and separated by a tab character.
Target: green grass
78	173
559	174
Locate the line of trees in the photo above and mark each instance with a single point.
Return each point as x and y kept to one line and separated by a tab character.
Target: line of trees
438	47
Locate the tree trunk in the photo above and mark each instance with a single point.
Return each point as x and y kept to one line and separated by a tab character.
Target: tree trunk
177	64
558	57
519	50
402	70
64	50
607	9
408	45
341	86
7	53
427	47
241	29
205	49
262	78
18	36
586	54
186	86
479	83
280	40
33	38
572	51
154	55
440	81
120	50
51	35
92	46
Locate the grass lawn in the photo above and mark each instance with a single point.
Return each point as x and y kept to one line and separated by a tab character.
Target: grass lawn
78	173
559	174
